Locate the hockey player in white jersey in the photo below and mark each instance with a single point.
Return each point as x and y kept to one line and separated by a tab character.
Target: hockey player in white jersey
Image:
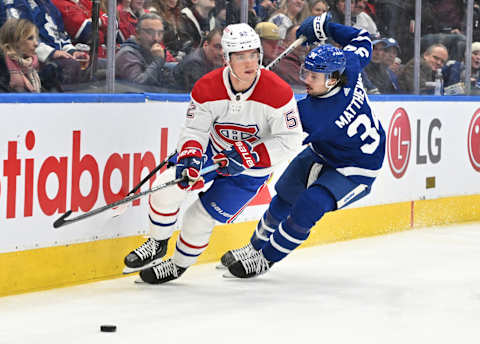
346	148
233	119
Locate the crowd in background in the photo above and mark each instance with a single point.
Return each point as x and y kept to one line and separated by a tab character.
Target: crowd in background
167	45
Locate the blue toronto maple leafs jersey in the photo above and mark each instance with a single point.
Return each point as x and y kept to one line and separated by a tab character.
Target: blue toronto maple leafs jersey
341	127
44	15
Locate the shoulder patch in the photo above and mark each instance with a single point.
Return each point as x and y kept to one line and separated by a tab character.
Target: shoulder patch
210	87
271	90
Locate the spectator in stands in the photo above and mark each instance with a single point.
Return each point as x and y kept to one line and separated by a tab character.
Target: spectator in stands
433	58
169	10
198	22
360	19
233	13
454	71
290	12
265	9
141	59
318	7
220	14
128	17
77	18
289	67
55	47
18	60
442	22
200	61
391	51
375	75
393	19
270	38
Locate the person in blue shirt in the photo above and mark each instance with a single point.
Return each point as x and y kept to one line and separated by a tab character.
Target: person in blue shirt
345	148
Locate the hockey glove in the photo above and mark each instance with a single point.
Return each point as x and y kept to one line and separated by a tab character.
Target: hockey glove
189	163
236	159
315	28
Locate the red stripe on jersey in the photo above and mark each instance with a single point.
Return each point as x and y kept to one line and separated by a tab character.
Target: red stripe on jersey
162	214
210	87
263	90
262	152
230	220
190	245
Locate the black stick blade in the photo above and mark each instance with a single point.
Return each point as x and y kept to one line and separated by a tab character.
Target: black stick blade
61	220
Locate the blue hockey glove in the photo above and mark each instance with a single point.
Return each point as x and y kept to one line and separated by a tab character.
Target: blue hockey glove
315	28
236	159
189	163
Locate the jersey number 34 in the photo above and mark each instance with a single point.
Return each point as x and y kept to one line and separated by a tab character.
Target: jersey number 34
372	132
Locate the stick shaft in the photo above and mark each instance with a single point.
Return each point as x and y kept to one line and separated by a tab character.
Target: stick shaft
299	41
151	174
62	221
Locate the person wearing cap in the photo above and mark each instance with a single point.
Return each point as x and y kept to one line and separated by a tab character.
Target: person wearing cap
270	37
454	71
391	51
376	71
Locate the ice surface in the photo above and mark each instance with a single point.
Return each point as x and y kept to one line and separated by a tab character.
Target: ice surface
420	286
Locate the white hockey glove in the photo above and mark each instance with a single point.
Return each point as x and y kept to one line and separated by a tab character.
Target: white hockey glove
315	28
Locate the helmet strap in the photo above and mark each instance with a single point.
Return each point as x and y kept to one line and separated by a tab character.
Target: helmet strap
327	86
235	75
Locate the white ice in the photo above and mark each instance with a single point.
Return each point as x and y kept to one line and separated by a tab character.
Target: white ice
420	286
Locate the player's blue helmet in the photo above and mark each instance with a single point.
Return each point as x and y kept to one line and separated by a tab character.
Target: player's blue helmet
325	59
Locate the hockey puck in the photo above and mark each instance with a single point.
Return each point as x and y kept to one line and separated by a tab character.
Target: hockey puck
108	328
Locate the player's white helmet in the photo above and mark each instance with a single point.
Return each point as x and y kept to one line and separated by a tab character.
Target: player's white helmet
240	37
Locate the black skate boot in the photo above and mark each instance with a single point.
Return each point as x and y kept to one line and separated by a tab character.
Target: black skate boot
161	273
149	254
232	256
252	266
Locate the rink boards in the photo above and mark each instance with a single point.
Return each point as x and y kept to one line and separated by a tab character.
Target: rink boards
59	155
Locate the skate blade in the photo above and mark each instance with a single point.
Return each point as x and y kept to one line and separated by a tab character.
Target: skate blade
228	275
220	267
139	281
153	263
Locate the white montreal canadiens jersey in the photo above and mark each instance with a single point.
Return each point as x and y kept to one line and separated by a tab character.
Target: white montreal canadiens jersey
266	115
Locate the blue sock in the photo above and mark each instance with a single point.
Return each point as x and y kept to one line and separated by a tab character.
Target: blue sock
265	228
287	238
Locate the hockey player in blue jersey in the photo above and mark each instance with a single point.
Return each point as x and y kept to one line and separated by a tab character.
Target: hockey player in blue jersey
346	148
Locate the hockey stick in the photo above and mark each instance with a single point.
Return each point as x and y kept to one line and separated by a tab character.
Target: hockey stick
62	220
299	41
94	37
121	209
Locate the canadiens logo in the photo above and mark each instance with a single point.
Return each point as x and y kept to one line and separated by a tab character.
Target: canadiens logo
235	132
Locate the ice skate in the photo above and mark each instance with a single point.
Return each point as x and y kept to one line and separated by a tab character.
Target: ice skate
252	266
149	254
232	256
161	273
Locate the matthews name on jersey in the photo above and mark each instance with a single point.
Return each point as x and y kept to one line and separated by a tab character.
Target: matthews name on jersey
265	115
346	134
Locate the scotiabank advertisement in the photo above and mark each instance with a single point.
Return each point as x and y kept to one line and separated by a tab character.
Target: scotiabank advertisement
81	156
